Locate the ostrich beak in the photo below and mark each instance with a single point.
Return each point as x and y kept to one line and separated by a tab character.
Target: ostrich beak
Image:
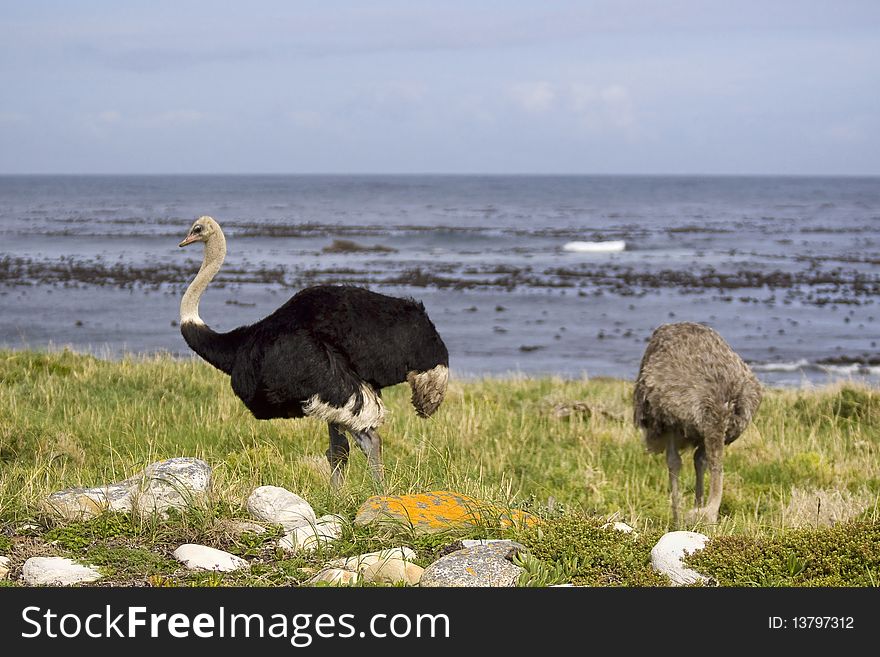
189	239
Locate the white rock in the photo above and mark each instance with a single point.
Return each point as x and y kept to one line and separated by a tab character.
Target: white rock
393	571
4	567
667	555
56	571
326	529
173	483
202	557
618	527
331	523
362	561
278	505
335	576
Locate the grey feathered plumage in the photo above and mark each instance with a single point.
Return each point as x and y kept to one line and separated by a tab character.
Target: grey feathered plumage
693	390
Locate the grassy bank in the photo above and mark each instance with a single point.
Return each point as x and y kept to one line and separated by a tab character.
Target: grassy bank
566	450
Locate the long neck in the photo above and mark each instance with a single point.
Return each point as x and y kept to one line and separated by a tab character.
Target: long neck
215	253
217	348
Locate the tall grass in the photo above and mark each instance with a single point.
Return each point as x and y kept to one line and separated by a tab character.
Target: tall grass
547	444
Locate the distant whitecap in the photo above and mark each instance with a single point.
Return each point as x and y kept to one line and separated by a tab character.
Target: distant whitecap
781	367
609	246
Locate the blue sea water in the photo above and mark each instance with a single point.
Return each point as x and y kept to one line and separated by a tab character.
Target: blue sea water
786	268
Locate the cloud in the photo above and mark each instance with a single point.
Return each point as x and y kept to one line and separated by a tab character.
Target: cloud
12	117
108	117
178	116
474	108
600	108
112	122
306	118
846	132
534	97
100	124
398	92
619	106
394	101
590	109
157	59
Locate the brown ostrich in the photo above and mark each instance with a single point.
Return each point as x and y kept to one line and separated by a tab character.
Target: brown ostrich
693	390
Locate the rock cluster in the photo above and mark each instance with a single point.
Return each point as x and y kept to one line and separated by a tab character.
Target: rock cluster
177	482
391	566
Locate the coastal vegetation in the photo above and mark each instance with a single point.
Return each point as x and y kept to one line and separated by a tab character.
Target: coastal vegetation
800	500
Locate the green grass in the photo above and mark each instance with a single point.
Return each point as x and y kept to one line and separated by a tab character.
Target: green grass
845	555
566	450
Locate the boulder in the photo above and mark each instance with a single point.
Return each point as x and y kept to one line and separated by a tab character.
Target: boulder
56	571
363	561
481	565
437	511
392	571
336	576
279	506
173	483
667	555
202	557
326	529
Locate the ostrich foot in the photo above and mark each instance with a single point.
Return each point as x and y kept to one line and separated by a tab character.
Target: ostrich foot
700	515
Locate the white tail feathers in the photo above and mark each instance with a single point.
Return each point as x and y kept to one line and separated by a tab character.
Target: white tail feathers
369	416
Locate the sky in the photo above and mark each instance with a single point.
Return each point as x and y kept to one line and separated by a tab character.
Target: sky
441	86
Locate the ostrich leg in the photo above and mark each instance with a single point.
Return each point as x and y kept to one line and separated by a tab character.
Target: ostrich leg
673	462
712	458
700	469
371	445
714	454
337	454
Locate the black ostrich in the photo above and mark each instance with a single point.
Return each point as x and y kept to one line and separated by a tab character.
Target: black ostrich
326	353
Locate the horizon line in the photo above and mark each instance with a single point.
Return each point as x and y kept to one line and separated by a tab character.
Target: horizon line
445	174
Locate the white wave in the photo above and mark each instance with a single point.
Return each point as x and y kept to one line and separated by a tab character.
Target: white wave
611	246
781	367
850	369
803	365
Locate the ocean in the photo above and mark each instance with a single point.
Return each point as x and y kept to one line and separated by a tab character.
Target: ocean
530	275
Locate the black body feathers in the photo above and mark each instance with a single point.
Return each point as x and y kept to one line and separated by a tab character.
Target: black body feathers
327	342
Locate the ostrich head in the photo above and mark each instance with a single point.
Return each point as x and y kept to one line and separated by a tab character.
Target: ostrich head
202	230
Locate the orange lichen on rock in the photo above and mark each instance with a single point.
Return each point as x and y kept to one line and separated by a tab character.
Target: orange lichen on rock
438	511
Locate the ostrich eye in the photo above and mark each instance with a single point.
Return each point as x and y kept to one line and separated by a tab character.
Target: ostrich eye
197	229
